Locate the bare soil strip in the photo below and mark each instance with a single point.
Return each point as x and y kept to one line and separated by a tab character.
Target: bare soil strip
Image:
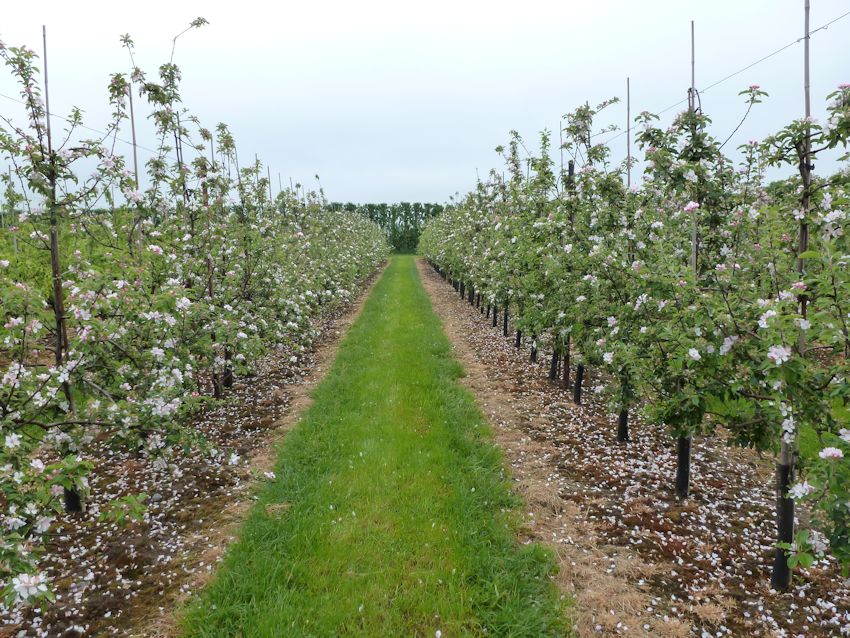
636	561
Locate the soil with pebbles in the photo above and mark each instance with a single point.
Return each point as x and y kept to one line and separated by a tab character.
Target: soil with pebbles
636	560
129	580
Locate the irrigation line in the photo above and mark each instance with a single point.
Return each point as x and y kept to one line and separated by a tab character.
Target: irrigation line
83	126
738	72
618	135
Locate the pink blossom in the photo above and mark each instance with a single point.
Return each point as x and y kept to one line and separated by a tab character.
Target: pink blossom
133	196
831	453
779	354
691	206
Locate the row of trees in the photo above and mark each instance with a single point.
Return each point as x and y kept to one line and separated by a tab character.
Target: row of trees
402	222
709	296
124	310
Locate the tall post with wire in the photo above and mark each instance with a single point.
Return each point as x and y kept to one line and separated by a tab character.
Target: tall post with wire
623	422
72	497
780	577
683	444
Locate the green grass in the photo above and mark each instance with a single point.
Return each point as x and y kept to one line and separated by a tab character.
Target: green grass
391	514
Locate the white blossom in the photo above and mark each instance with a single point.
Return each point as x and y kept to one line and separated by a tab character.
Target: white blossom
779	354
27	586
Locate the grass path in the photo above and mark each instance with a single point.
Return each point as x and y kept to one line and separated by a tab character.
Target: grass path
390	514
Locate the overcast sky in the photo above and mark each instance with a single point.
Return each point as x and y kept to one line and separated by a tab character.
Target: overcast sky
391	101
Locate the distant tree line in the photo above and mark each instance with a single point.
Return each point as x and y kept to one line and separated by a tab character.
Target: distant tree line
402	222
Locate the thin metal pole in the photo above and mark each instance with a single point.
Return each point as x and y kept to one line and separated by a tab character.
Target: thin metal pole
807	159
692	93
46	92
133	133
628	135
269	173
693	63
806	78
561	149
683	452
780	577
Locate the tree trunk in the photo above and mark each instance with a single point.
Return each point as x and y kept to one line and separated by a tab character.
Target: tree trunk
227	375
780	578
623	426
553	366
59	309
565	379
533	348
683	467
505	321
577	387
495	315
73	502
518	341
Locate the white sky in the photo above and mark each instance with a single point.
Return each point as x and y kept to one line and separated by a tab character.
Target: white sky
391	101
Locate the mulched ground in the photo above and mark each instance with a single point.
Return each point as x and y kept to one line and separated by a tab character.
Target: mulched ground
707	559
117	580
